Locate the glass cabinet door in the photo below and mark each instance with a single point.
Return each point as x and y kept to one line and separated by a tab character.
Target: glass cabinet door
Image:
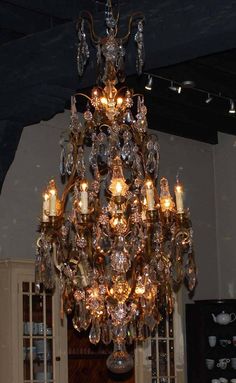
37	335
162	353
160	359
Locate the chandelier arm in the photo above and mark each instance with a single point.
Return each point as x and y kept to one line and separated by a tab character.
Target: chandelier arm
138	94
133	18
87	16
65	194
120	89
83	95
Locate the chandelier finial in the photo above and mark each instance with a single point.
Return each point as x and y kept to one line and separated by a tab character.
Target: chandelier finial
111	22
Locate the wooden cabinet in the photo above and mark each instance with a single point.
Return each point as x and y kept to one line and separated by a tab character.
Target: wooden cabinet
204	353
33	341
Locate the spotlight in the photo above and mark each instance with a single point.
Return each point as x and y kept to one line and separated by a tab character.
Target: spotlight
208	99
175	88
232	109
148	86
188	84
179	89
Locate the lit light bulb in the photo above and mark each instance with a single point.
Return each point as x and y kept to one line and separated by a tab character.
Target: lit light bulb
45	217
104	100
119	101
52	198
149	184
166	201
84	197
166	204
179	198
119	188
84	186
150	195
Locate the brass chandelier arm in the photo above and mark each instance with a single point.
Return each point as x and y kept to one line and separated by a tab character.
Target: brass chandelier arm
83	95
138	94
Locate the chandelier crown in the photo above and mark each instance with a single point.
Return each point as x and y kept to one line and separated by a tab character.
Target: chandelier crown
119	248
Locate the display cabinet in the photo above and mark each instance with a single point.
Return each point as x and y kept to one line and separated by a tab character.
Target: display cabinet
211	341
33	339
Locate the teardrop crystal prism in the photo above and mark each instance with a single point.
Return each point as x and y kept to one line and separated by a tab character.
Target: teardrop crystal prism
95	333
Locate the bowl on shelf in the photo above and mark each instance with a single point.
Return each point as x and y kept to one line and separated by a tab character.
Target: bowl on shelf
49	331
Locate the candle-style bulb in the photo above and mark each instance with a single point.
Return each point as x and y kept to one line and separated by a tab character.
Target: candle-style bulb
118	186
84	197
179	195
150	195
45	215
166	201
52	190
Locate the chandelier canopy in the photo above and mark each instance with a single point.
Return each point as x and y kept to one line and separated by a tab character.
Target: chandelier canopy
120	248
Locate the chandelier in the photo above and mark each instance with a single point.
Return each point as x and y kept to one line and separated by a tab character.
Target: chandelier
119	248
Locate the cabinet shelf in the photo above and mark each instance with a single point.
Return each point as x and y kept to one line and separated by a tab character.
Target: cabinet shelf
34	337
38	361
88	356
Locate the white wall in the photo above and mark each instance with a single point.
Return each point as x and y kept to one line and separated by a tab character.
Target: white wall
37	160
225	185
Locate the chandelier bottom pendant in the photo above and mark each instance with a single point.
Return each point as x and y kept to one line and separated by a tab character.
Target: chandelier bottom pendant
119	247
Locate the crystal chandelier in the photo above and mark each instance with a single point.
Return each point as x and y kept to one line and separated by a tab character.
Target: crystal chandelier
119	248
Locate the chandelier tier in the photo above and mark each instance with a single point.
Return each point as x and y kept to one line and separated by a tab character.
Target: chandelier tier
119	248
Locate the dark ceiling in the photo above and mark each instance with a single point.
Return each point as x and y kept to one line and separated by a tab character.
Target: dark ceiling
184	40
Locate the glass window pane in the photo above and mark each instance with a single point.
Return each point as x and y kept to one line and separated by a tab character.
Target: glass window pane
37	309
49	314
163	370
26	360
162	328
171	326
25	287
26	312
172	358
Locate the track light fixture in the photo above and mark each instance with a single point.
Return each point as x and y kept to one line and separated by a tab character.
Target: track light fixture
179	89
175	88
178	86
208	99
232	108
148	86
